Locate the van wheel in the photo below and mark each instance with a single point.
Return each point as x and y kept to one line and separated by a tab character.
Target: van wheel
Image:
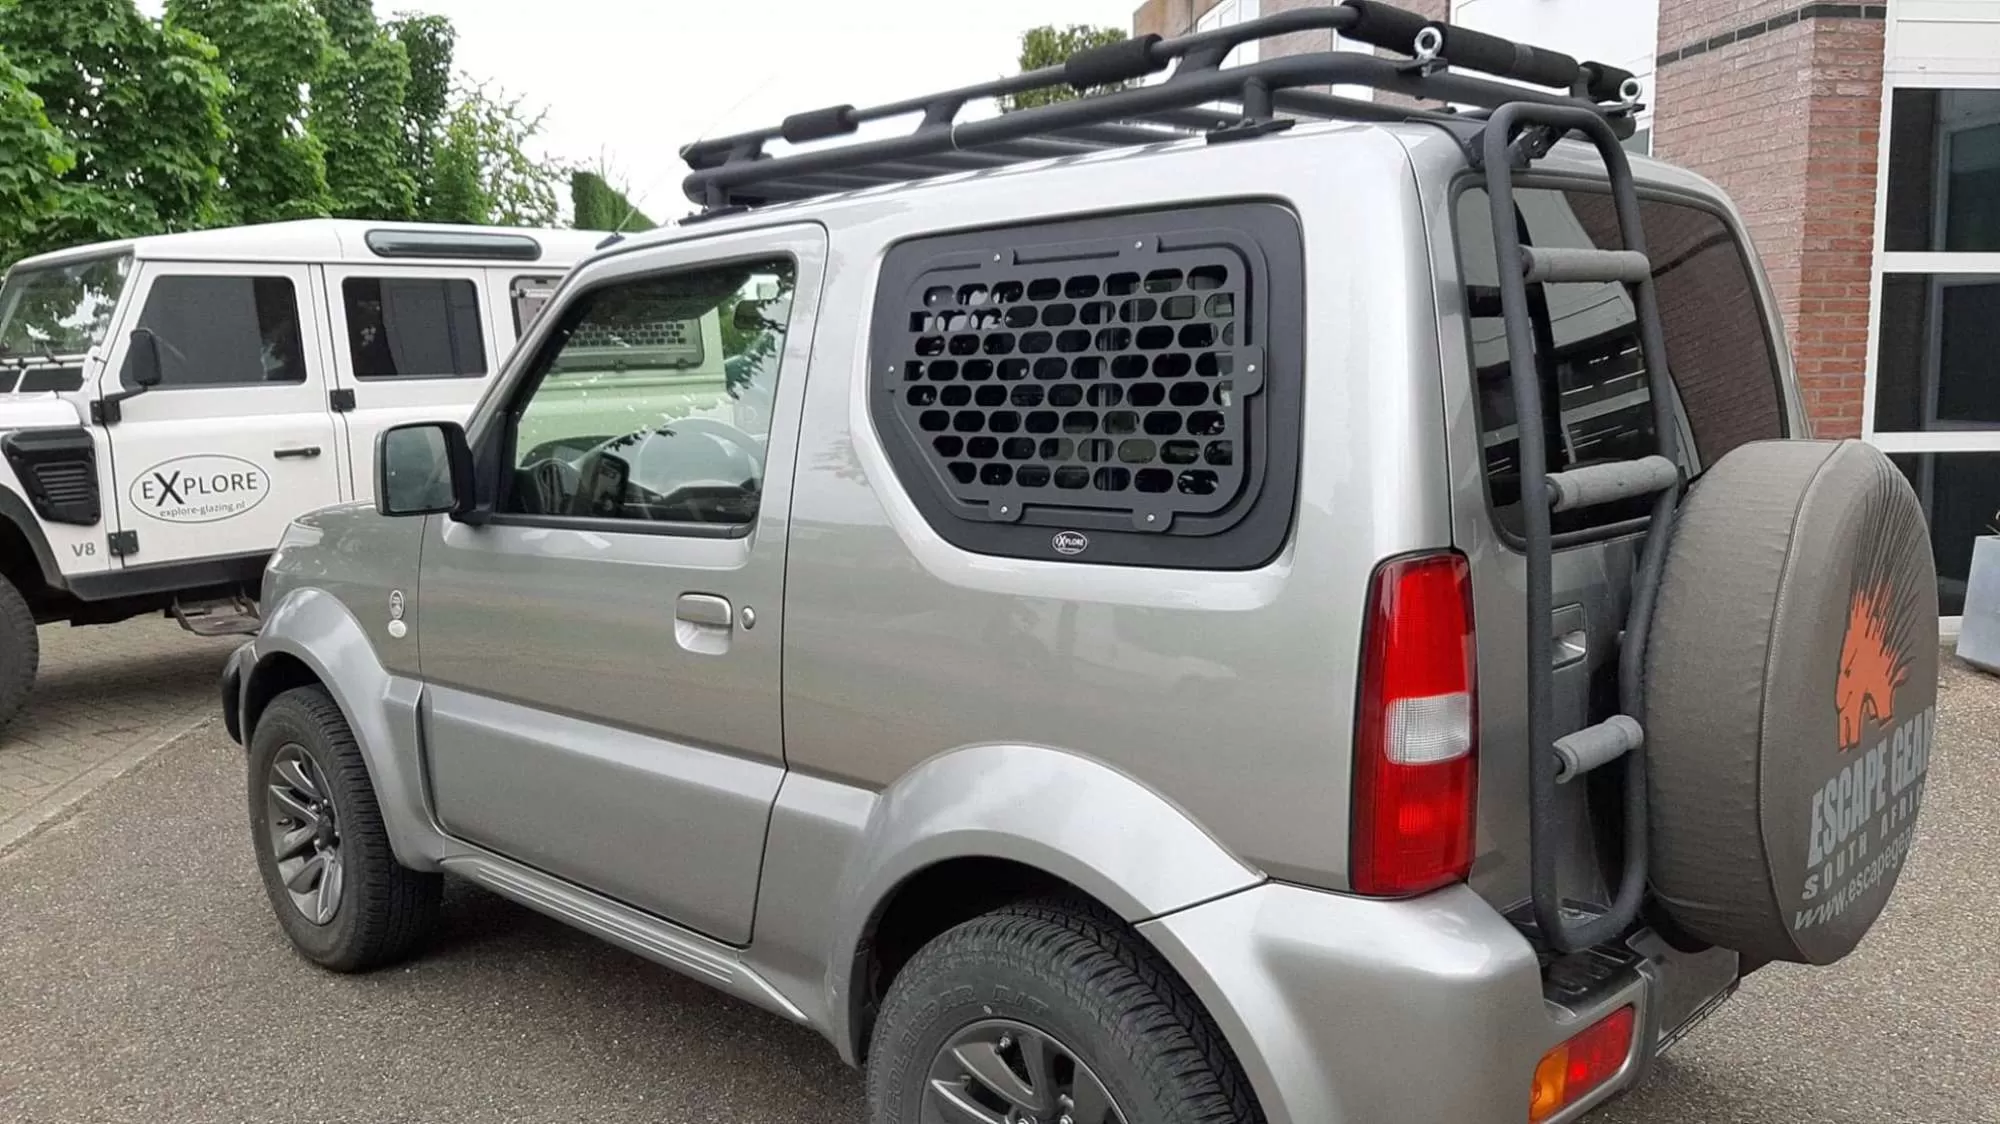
20	651
333	880
1048	1012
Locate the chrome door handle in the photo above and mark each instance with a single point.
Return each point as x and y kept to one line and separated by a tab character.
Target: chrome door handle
704	609
302	452
1571	636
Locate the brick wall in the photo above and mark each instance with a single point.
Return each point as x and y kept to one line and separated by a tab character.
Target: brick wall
1787	122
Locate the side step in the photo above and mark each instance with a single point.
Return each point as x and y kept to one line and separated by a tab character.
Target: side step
226	616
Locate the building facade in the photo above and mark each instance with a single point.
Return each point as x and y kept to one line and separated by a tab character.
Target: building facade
1862	144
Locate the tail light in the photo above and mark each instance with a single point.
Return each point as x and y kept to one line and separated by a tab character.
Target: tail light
1581	1065
1416	729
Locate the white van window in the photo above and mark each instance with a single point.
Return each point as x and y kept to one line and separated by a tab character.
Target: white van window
224	331
413	328
529	296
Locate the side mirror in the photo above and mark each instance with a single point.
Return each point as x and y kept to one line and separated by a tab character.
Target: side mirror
142	362
424	468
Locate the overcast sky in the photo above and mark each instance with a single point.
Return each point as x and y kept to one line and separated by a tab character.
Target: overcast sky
631	81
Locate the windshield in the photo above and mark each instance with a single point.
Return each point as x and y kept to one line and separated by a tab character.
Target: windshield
59	310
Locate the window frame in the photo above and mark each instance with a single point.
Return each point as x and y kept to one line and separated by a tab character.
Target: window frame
168	271
1789	414
338	292
550	332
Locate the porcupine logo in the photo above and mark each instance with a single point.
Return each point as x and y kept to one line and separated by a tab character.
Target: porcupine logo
1875	652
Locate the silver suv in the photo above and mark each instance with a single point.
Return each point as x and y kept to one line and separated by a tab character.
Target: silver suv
1205	600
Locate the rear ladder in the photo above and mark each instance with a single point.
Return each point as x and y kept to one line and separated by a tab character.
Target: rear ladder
1517	134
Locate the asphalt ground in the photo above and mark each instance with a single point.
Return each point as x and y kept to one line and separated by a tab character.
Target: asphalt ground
142	978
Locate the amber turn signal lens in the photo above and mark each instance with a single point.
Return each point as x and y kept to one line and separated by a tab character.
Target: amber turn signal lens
1581	1065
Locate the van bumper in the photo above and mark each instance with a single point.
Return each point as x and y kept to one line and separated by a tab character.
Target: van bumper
1345	1009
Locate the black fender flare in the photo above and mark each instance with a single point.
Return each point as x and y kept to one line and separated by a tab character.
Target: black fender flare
15	510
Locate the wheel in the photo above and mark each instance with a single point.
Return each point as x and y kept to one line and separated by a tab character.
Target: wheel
20	651
336	886
1048	1012
1791	698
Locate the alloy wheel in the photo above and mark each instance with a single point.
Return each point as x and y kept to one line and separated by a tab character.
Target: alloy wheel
305	834
1000	1071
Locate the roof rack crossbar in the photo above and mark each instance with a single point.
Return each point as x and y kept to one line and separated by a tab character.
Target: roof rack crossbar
1199	96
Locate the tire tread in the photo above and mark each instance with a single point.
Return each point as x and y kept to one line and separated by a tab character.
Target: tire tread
1093	956
20	651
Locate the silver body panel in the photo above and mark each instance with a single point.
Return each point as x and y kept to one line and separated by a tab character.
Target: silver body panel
1173	744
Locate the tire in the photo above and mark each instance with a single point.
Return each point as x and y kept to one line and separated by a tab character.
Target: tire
1078	976
381	911
1791	688
20	651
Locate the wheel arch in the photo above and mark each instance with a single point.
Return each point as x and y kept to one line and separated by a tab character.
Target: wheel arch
976	828
311	639
24	549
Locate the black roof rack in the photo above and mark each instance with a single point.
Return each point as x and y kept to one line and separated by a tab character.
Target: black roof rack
1444	63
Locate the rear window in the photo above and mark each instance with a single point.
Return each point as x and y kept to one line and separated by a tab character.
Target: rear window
413	327
1722	361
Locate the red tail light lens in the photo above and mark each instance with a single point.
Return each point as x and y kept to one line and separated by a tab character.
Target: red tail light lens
1416	730
1581	1065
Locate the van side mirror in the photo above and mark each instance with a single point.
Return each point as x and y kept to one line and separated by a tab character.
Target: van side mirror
142	362
424	468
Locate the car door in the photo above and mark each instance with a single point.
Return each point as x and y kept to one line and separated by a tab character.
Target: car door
236	439
410	343
603	655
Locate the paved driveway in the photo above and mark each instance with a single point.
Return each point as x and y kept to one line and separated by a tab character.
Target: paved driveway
143	980
105	698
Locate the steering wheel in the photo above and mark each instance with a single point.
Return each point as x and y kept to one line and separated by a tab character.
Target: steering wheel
555	482
736	460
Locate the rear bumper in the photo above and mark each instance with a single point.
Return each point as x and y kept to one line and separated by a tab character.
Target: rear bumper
1345	1010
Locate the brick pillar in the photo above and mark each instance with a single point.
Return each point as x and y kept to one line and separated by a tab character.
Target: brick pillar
1780	103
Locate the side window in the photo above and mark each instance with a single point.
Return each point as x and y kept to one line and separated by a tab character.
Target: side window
528	296
225	331
413	328
1723	365
1117	391
653	400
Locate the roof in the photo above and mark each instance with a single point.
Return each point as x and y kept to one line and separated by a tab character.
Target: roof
322	240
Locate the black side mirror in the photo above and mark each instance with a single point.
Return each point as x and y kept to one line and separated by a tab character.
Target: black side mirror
424	468
142	362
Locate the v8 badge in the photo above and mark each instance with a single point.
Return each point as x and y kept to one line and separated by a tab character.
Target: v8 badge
397	627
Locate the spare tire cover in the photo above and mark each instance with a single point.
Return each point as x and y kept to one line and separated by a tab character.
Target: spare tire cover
1791	691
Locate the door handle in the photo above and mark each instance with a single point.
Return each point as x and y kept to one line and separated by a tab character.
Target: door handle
302	452
1571	636
704	609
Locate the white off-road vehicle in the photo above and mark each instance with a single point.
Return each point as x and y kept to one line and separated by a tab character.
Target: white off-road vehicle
169	404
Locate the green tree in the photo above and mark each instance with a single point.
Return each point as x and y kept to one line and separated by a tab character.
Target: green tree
596	205
33	158
138	103
429	43
1052	46
483	173
357	114
273	50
